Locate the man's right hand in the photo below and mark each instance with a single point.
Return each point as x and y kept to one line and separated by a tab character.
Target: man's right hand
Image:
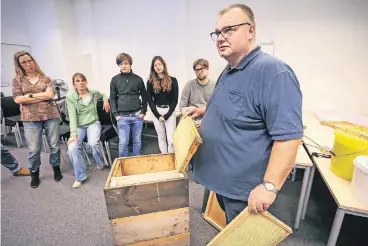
117	117
194	112
72	139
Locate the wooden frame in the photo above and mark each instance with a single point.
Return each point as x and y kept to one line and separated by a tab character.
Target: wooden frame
265	230
359	131
213	213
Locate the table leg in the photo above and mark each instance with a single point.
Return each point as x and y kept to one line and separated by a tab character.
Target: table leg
307	194
302	197
336	226
205	199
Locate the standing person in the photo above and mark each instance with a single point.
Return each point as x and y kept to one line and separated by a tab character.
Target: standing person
252	125
163	92
197	91
8	161
33	90
83	118
128	98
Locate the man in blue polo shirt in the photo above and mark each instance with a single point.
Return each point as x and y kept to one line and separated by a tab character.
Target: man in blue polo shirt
252	124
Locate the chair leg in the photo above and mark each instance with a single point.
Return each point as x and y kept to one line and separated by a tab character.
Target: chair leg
85	153
5	129
16	135
17	128
103	153
107	144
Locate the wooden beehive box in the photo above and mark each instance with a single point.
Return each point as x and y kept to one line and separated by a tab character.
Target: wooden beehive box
147	197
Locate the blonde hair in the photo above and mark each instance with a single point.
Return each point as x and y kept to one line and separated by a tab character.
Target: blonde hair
19	71
247	10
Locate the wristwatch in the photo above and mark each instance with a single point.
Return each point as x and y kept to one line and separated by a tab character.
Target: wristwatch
30	95
270	187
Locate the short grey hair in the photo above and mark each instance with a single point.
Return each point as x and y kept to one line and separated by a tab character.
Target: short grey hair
246	9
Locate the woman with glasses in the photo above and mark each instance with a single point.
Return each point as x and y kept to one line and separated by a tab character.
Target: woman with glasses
163	91
84	121
33	90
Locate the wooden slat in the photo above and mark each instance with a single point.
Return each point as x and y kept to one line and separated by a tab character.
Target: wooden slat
177	240
147	164
112	173
214	214
146	198
145	178
139	229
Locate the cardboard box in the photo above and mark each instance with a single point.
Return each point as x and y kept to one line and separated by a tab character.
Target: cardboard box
147	197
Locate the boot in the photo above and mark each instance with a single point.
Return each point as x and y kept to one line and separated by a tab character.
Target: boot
57	173
35	179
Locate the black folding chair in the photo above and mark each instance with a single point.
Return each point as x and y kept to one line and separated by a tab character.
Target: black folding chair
11	118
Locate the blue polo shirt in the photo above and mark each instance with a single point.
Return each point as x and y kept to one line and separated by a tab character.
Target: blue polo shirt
253	105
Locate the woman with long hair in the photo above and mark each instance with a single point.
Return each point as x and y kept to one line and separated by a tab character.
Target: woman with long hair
163	91
33	90
83	118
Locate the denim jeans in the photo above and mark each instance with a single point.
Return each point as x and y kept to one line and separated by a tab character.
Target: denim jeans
93	132
33	134
125	124
8	160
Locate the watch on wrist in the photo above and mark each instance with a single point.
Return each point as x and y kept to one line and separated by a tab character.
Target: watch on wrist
270	187
30	95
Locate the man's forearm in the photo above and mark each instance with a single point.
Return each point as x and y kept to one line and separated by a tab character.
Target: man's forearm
283	155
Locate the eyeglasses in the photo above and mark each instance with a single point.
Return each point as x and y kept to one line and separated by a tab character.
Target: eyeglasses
23	63
197	70
227	31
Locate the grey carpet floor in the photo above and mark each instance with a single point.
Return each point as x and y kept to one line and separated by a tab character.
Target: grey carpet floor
55	214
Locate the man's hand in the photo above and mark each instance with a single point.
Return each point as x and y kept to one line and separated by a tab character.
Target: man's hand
72	139
141	116
117	118
194	112
260	199
106	106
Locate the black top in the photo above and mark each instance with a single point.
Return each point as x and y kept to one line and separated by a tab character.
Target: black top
163	98
125	92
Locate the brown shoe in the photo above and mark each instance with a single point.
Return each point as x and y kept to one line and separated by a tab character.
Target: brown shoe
22	172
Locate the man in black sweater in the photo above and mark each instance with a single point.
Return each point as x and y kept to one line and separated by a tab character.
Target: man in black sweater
128	99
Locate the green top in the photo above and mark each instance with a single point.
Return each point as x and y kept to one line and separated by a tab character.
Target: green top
82	112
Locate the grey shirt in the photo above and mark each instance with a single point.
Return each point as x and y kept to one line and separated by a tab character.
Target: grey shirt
253	105
196	94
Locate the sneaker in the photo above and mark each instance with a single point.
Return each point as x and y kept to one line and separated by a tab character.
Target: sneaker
101	167
22	172
77	184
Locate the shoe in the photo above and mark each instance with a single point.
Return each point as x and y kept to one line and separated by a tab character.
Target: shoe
35	179
77	184
101	167
57	173
22	172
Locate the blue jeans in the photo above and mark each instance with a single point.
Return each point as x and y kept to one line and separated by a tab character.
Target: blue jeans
33	134
93	132
8	160
125	124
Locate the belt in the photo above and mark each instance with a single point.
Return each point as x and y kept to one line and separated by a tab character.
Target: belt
163	106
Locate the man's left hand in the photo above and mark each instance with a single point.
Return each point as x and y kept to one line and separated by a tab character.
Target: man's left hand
260	199
141	116
106	106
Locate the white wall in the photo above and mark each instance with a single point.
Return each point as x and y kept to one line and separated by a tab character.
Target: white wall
323	41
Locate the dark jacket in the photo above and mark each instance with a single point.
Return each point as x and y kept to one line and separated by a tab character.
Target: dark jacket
125	92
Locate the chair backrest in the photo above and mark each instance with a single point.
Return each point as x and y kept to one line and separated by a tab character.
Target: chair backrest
2	94
103	116
9	107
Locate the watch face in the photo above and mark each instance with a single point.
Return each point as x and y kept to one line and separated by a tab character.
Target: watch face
269	186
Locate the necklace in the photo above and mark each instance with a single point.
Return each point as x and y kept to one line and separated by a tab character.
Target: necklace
31	77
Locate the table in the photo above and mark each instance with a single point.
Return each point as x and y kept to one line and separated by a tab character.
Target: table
340	189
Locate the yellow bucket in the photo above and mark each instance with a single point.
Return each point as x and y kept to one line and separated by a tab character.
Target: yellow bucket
346	147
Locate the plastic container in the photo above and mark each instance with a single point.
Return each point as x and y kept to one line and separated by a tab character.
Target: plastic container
360	179
346	148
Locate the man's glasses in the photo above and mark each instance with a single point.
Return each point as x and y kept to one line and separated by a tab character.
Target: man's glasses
227	31
197	70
